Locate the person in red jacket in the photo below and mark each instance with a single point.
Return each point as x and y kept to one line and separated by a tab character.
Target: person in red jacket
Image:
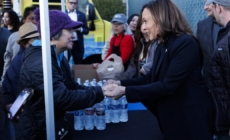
122	43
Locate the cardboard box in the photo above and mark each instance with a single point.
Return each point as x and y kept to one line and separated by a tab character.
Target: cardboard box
85	72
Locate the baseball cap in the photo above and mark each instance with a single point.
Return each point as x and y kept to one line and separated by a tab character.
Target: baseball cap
222	2
119	18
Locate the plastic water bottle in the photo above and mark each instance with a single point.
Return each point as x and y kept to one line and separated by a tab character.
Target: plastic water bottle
115	113
104	81
79	120
100	83
93	83
79	81
87	83
89	118
100	111
95	115
123	109
107	104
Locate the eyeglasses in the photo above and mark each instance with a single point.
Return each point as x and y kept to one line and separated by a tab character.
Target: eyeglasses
73	3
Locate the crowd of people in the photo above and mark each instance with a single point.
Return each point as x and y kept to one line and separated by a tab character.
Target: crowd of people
182	78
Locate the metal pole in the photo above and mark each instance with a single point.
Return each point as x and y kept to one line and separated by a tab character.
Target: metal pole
16	7
63	6
47	73
63	10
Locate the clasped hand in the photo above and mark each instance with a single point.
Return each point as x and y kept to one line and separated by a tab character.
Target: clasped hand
113	90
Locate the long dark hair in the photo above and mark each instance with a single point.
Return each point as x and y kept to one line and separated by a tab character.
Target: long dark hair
27	12
139	46
14	20
170	21
168	18
131	18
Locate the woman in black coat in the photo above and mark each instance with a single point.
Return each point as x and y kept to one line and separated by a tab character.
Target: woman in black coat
174	90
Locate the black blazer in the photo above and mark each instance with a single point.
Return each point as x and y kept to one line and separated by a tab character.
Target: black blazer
81	17
175	89
205	37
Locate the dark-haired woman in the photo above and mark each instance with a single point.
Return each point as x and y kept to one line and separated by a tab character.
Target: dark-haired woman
13	47
174	88
11	21
132	22
144	50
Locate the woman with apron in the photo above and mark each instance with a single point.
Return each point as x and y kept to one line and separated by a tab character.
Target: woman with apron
121	44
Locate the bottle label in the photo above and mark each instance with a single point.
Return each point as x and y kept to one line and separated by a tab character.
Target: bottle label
100	112
89	112
78	113
115	107
123	106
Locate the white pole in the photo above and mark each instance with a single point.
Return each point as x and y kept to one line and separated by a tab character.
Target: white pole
63	10
16	7
63	6
47	73
127	8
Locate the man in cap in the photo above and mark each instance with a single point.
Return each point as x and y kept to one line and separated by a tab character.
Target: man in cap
207	30
219	70
78	43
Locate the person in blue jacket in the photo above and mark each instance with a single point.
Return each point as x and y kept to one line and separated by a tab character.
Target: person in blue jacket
174	88
27	33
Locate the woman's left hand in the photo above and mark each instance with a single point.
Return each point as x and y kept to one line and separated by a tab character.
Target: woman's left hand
114	91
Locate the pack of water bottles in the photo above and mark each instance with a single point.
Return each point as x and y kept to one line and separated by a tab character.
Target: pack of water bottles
107	111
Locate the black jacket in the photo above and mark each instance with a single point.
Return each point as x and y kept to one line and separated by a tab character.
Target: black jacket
219	79
6	127
175	91
67	94
205	37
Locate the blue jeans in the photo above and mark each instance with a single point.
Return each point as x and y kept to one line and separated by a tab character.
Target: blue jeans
222	136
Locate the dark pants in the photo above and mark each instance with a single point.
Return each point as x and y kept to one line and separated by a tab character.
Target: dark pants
77	52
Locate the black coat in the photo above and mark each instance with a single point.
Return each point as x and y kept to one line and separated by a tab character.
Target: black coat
205	37
219	79
175	91
67	94
78	49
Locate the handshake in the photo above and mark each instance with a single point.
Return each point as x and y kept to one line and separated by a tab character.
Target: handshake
113	89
